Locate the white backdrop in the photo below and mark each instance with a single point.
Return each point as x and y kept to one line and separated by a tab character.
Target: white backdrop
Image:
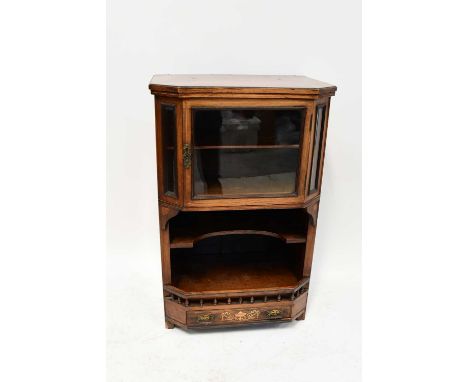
320	39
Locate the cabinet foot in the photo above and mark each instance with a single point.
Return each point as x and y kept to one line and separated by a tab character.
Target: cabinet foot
169	325
301	317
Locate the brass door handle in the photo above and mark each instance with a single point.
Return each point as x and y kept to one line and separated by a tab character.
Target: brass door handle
187	155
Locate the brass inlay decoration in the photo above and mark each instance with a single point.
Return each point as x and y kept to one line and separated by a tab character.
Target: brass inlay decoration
227	316
187	155
253	314
205	317
274	313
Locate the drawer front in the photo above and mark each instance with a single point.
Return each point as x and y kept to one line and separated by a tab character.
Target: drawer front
237	316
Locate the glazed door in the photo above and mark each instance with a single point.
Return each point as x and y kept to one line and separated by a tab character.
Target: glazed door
317	147
169	141
251	154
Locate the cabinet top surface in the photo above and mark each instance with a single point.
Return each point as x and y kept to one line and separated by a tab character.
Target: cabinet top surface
237	81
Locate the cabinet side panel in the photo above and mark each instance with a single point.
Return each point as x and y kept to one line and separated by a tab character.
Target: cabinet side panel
299	304
324	144
158	136
311	230
175	311
305	145
317	144
165	254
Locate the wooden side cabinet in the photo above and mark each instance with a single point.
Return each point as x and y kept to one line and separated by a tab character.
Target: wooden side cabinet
239	162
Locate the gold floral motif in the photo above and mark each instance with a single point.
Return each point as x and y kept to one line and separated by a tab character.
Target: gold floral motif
274	313
253	314
240	316
227	316
205	317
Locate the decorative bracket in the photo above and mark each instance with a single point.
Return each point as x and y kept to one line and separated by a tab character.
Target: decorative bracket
312	210
166	214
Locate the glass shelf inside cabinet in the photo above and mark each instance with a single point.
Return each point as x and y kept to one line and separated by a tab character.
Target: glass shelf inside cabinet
246	152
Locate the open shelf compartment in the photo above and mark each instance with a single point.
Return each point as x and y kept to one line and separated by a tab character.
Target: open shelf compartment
237	257
188	228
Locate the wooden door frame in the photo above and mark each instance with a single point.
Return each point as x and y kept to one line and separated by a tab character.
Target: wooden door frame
190	104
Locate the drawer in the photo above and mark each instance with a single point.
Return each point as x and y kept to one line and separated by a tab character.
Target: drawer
238	316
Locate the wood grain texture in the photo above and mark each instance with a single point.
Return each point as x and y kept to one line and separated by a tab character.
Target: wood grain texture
299	305
239	86
165	214
175	310
238	316
237	81
199	317
311	231
165	255
213	277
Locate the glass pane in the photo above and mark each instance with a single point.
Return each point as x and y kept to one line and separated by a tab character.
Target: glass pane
251	172
317	150
247	127
246	152
168	122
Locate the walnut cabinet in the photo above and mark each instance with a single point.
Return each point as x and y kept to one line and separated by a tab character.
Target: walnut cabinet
239	163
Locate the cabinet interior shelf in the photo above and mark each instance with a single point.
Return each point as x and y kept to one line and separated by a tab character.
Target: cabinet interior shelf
208	271
190	239
243	276
189	228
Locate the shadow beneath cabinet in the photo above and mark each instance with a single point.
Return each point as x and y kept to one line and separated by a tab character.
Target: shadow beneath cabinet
245	328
